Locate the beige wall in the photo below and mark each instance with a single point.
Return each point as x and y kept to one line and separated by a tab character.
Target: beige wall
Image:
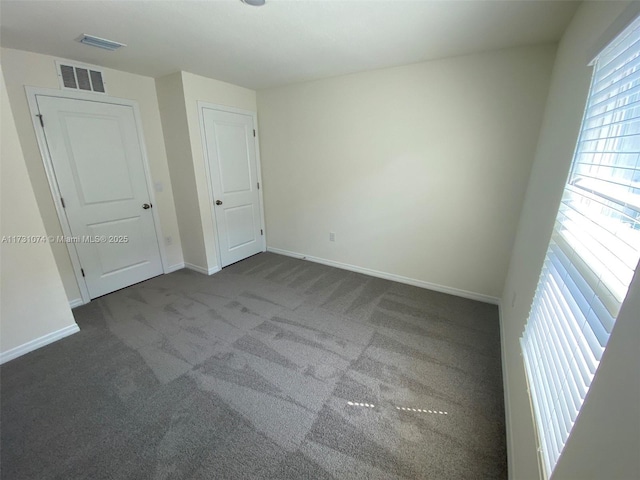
178	95
25	68
419	170
176	138
605	440
33	301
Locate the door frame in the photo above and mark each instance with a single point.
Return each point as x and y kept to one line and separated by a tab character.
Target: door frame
32	93
205	152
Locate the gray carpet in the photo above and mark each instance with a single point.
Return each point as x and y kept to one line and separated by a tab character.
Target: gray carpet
274	368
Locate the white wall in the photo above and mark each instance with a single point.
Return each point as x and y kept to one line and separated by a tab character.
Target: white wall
605	441
420	170
26	68
178	95
33	300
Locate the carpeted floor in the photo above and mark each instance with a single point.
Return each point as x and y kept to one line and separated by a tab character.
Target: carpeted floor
274	368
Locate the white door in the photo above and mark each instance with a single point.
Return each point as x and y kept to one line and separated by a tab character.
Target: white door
97	157
231	153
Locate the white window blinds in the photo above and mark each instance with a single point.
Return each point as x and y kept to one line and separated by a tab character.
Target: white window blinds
593	252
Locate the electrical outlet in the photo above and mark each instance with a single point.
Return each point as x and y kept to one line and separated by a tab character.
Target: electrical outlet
513	299
158	186
168	240
332	236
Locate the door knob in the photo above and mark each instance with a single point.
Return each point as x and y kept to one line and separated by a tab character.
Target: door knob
147	206
218	202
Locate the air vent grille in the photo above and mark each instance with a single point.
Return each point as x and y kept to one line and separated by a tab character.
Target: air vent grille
82	74
68	78
80	77
96	81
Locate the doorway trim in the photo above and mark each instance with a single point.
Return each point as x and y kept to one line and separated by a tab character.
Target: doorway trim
205	152
32	93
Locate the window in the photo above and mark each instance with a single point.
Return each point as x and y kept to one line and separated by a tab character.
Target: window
593	252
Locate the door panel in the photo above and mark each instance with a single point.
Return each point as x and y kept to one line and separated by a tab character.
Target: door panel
235	169
112	257
98	162
239	226
96	154
231	154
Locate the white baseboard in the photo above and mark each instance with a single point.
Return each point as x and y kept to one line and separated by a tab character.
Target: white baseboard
174	268
76	302
38	343
204	271
391	276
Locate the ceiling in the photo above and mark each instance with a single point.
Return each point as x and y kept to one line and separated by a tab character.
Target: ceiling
283	42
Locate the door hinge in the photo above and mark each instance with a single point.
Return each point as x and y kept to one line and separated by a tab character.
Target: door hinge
82	271
261	232
258	185
41	120
254	131
62	201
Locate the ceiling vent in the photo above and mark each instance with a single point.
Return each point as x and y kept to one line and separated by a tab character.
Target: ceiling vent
80	77
94	41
